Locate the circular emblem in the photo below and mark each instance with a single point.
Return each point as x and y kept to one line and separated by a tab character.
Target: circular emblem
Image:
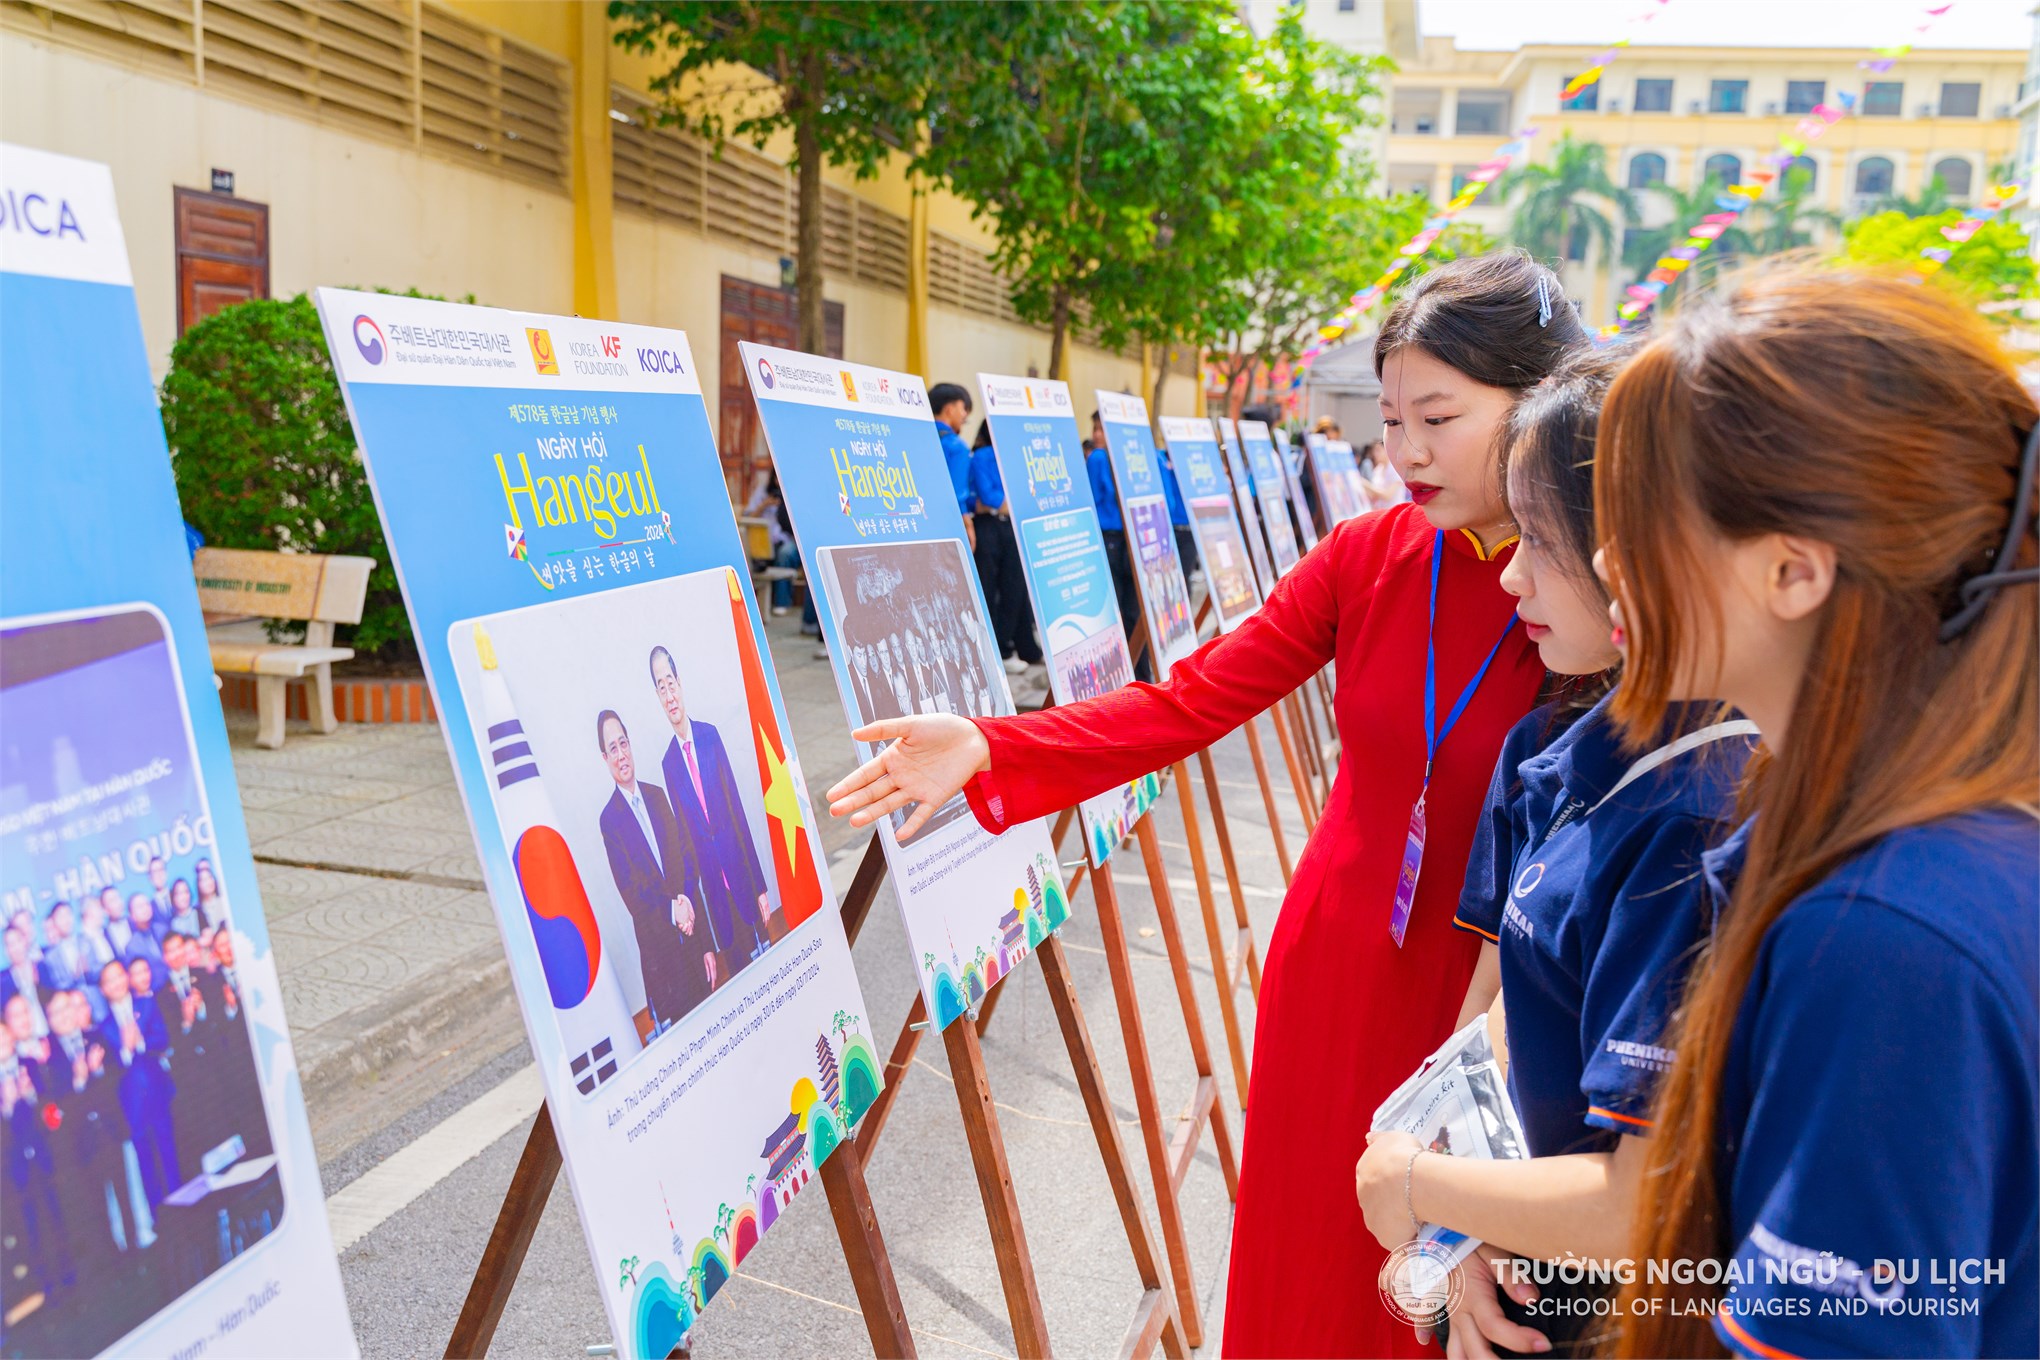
1527	881
1420	1283
368	338
765	372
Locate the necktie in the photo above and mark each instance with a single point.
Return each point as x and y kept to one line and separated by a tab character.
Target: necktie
694	773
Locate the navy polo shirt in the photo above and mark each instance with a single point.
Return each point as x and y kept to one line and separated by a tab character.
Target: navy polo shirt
1598	921
1105	491
956	454
1879	1103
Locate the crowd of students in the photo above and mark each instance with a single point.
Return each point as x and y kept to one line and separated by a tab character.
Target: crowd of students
125	1063
1691	724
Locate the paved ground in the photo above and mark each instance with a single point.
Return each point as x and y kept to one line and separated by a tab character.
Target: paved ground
420	1084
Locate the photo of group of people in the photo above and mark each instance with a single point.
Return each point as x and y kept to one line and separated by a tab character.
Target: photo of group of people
636	709
135	1153
1226	563
913	638
1162	587
1097	665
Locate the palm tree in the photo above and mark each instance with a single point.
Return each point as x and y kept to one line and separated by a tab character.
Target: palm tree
1570	193
1649	244
1788	220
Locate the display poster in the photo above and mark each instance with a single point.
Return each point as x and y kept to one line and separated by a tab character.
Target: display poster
1150	534
557	516
1242	478
1331	463
1290	455
1271	493
1200	472
1062	554
907	632
161	1193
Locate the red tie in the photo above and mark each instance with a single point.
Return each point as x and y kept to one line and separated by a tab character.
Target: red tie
694	773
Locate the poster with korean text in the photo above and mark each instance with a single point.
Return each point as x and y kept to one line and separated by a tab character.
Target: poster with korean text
1271	493
1214	519
552	498
1062	555
1150	535
161	1194
904	618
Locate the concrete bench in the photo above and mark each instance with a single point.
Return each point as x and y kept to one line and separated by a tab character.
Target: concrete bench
244	589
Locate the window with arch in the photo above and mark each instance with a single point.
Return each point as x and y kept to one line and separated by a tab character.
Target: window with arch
1723	169
1954	174
1873	175
1645	169
1801	170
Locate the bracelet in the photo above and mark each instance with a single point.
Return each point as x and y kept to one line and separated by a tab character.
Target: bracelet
1409	1206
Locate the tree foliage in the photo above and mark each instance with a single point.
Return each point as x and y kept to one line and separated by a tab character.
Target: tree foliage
1572	192
849	79
1993	264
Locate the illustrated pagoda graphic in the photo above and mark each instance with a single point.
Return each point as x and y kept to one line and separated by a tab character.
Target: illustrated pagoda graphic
832	1075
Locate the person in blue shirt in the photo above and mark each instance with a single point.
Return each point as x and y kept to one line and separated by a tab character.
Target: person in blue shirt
1112	526
998	559
951	403
1817	500
1585	882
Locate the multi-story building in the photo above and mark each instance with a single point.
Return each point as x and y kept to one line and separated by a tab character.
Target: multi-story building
1675	115
501	148
2027	110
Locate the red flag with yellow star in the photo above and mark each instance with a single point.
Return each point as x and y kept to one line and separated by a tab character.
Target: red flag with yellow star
793	856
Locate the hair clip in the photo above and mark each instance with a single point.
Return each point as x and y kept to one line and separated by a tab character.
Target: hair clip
1543	301
1976	593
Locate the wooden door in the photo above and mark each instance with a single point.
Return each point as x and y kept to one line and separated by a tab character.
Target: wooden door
765	316
222	253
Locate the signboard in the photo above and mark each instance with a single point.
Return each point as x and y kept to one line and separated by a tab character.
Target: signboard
1040	453
1271	494
1243	498
1221	545
1290	456
905	622
1338	480
555	508
1150	534
161	1194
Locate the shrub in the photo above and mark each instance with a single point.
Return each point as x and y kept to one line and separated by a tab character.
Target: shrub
264	454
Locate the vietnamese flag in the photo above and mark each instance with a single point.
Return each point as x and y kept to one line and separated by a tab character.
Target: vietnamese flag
793	856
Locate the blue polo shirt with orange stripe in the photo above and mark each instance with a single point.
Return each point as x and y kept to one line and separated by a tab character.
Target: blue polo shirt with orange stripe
1597	912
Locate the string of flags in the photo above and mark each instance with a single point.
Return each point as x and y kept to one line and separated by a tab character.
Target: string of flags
1592	74
1737	199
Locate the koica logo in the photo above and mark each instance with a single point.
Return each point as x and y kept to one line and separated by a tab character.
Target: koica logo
652	359
913	396
368	338
542	355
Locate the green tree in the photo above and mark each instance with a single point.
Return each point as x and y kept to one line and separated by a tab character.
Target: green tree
1085	135
1786	219
1928	202
848	78
1552	201
1993	264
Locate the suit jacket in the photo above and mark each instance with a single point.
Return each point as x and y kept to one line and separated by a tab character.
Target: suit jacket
145	1085
87	1126
675	978
731	876
63	967
170	1013
146	944
28	1142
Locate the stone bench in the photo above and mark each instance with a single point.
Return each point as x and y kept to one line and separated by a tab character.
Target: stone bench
241	591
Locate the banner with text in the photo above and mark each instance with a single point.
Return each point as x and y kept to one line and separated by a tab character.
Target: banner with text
1150	535
1243	498
1200	470
1271	494
907	633
553	501
161	1194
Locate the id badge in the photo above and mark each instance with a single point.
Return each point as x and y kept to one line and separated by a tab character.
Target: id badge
1412	865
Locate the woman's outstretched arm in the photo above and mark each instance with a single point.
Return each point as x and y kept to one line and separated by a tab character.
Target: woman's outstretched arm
1032	764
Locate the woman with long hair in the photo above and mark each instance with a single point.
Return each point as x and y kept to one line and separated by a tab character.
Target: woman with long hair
1817	504
1364	975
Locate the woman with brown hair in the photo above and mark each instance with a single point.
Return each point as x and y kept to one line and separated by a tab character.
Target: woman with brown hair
1364	971
1816	503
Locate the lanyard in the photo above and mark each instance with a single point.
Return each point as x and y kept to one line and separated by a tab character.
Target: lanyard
1577	807
1433	735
